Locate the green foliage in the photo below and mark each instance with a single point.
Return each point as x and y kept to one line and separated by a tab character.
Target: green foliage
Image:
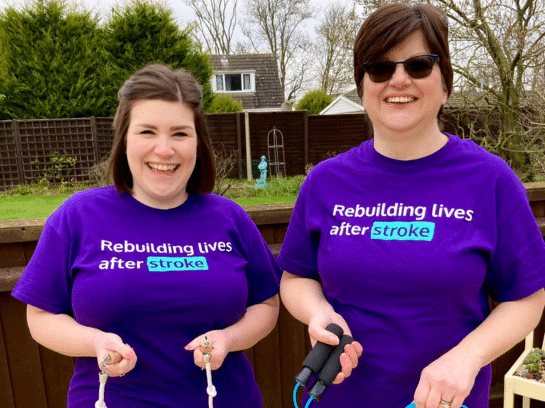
533	367
51	62
59	63
281	186
532	358
224	104
142	32
314	101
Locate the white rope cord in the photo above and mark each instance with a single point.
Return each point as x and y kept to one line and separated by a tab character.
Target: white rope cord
102	377
206	344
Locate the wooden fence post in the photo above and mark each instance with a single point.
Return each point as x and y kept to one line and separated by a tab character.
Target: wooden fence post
19	151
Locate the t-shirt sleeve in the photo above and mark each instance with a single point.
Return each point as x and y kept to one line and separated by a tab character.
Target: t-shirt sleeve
46	282
517	267
300	247
262	271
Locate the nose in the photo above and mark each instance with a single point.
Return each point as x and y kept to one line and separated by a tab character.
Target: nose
400	76
163	147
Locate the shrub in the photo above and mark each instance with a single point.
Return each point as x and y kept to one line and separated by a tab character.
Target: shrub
224	104
314	101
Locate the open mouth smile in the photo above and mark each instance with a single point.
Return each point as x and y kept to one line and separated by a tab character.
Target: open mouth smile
400	99
163	168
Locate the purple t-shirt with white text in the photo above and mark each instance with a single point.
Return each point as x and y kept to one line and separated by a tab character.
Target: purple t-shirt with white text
408	252
157	278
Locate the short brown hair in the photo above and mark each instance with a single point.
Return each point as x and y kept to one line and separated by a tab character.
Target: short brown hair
391	24
159	82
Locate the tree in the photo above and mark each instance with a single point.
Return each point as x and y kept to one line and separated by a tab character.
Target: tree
142	32
52	63
216	23
335	42
498	47
314	101
275	25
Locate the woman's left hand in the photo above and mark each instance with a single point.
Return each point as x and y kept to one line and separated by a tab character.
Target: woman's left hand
220	349
447	381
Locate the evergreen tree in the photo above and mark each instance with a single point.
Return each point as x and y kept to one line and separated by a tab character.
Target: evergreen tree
52	63
140	33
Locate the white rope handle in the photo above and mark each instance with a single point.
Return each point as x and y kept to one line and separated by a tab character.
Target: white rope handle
102	377
206	344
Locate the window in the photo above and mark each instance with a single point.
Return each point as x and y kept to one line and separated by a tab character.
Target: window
239	82
219	82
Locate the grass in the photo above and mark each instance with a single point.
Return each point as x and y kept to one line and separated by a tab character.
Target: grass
37	201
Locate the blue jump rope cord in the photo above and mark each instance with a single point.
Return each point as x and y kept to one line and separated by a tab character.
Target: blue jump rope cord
295	394
309	401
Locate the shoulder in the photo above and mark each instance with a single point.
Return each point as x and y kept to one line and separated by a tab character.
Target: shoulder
86	203
489	168
470	152
222	206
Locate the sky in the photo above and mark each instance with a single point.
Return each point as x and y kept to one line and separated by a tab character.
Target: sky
181	11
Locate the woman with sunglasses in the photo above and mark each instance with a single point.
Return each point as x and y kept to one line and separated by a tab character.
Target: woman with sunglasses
402	239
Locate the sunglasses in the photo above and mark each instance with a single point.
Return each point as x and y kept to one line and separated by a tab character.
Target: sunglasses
417	67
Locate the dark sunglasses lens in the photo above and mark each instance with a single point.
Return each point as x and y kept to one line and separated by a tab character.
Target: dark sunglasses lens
419	67
381	71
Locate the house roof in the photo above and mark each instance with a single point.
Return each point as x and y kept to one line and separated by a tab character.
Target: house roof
268	90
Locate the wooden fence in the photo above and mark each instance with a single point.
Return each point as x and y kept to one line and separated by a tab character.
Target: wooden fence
32	149
34	377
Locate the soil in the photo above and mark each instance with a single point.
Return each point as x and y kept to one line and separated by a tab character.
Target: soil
538	376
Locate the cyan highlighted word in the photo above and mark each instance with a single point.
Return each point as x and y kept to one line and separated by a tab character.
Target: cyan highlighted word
403	231
165	264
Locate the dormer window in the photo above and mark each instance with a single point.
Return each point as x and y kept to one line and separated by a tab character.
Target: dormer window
234	82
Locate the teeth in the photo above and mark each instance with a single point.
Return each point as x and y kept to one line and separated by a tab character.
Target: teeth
400	99
162	167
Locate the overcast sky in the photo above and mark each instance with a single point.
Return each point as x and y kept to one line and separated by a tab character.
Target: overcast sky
182	12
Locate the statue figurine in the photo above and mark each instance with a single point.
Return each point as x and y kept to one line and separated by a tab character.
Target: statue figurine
262	166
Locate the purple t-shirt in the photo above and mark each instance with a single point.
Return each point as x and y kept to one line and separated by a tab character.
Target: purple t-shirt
407	252
157	278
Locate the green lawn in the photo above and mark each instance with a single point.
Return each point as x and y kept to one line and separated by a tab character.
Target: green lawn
41	206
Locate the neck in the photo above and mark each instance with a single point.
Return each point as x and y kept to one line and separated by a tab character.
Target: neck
405	146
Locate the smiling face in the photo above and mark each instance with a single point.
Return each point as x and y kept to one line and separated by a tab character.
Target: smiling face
403	106
161	151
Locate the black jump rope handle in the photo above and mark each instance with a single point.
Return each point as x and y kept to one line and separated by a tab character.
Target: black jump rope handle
331	368
318	356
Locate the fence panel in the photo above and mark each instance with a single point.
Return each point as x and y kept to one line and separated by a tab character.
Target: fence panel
45	144
9	168
333	134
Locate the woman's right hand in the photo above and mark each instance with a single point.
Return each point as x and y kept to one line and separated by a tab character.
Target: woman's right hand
316	328
123	356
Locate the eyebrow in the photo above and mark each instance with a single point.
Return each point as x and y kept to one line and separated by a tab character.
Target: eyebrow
173	128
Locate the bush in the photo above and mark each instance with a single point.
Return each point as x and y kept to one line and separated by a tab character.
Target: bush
224	104
314	101
280	186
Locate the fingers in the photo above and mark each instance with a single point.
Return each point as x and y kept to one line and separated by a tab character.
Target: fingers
121	368
319	333
217	349
349	361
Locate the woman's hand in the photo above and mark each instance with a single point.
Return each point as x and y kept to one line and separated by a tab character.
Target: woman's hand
447	381
220	349
122	355
316	328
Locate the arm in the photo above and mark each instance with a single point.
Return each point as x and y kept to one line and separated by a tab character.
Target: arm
256	324
305	300
61	333
451	377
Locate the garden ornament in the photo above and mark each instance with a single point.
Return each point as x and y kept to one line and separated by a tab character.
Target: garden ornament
262	166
